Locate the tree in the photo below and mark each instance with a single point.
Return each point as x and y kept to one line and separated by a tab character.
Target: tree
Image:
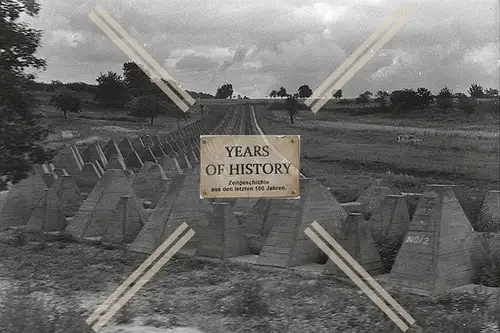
137	81
21	129
338	94
467	104
149	106
491	93
305	91
282	92
382	98
273	94
424	97
292	106
445	98
364	98
476	91
111	90
178	113
224	91
67	102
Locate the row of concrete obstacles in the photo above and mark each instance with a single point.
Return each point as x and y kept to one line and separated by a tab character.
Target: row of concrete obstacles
435	255
72	175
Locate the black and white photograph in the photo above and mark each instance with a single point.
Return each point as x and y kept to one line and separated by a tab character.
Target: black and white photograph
279	166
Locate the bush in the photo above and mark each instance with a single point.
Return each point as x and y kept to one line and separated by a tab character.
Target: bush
388	248
486	261
22	312
249	300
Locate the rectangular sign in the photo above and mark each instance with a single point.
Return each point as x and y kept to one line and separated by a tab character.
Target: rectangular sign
249	166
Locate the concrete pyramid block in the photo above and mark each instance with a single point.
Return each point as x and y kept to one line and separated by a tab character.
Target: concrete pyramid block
49	178
184	163
126	221
170	165
92	217
189	208
245	205
116	162
78	155
51	167
223	237
167	148
436	253
68	160
126	147
356	239
93	152
68	193
353	207
134	161
47	214
149	237
372	198
489	215
257	225
149	187
148	156
111	148
158	152
287	245
99	167
156	140
88	178
147	141
146	167
60	172
392	219
138	145
20	201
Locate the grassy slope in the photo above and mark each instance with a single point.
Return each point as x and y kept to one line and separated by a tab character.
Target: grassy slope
224	297
348	160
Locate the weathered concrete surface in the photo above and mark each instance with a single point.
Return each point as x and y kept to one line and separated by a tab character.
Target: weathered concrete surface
92	217
356	239
47	214
126	222
436	253
88	178
372	198
69	195
21	201
68	160
149	238
116	162
223	237
392	219
189	208
287	245
111	148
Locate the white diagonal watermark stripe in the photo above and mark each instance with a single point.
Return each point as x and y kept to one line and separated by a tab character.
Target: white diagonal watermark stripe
132	54
318	93
360	283
359	64
357	267
135	275
143	280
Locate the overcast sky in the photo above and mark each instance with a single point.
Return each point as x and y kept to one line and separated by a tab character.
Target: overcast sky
261	45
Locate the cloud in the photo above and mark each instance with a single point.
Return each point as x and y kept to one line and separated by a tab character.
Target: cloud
276	43
196	63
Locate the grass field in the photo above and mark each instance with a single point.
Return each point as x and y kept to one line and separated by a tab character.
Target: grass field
347	156
217	297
